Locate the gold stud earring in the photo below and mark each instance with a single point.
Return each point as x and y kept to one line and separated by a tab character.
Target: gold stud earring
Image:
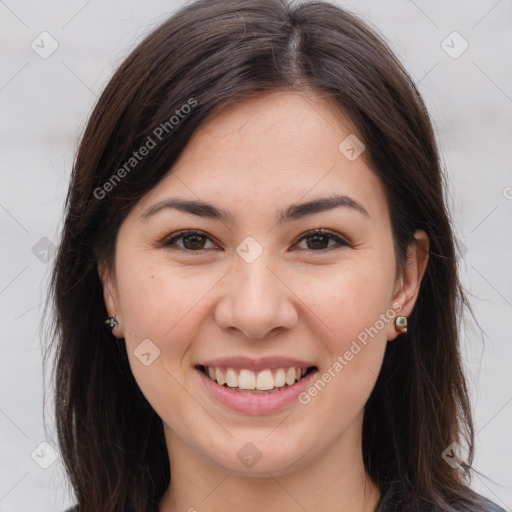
401	324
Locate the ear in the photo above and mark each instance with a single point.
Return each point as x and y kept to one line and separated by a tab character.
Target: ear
110	297
409	281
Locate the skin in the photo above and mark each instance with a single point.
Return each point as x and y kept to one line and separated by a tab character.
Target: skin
299	298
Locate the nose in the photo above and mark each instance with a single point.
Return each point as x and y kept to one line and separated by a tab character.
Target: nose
256	301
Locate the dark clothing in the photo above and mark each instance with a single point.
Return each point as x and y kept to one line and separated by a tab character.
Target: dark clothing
390	502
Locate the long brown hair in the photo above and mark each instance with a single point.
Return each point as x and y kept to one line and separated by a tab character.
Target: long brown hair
218	52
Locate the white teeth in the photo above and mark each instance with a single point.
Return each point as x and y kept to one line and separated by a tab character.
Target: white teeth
249	381
220	376
231	378
280	378
265	380
290	376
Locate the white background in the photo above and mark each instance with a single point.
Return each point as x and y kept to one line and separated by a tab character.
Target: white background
44	104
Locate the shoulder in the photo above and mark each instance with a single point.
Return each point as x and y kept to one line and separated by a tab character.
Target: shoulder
488	505
386	504
485	504
394	500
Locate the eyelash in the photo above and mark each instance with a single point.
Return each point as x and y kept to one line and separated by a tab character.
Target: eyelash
169	242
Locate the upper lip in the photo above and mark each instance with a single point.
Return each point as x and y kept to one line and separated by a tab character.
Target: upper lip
256	364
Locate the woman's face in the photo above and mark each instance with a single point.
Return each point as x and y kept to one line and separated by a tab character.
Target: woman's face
255	293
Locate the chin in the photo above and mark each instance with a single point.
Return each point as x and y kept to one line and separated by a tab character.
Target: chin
258	458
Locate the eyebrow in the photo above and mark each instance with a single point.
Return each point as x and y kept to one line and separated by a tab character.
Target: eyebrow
294	212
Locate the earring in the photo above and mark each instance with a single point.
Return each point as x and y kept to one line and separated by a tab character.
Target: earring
401	324
112	322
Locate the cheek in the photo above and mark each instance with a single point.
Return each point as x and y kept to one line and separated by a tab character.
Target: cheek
163	304
353	310
348	301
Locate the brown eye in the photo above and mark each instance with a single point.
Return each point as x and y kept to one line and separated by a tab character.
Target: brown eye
319	240
190	241
193	242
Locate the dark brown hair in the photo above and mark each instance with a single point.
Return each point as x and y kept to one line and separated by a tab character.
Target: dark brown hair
218	52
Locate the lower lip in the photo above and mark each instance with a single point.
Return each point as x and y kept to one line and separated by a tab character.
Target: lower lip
256	404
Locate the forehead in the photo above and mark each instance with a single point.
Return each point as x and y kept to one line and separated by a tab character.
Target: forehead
274	149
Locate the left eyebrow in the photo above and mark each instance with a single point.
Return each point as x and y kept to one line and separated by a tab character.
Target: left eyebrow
297	211
293	212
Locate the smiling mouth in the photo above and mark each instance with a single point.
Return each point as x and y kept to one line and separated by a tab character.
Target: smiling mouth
256	383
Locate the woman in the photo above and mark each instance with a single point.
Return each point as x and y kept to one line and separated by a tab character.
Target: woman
256	213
